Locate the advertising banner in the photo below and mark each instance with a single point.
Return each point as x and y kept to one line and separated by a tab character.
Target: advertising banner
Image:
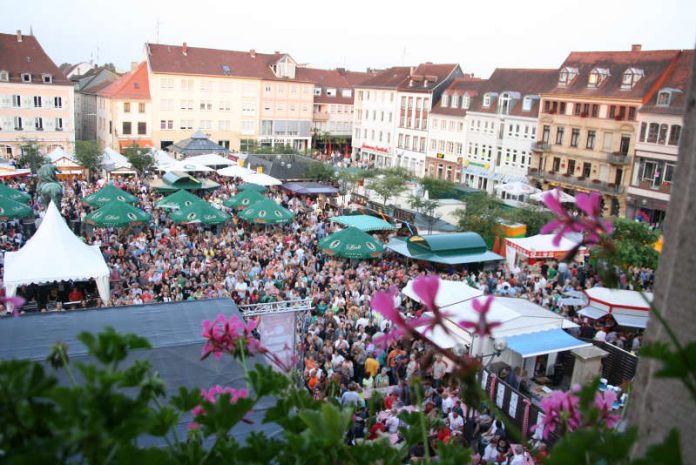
277	332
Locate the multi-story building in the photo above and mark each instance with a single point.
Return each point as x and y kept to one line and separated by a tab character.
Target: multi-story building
588	125
501	126
86	88
661	120
234	97
391	114
415	96
124	111
332	115
36	100
447	133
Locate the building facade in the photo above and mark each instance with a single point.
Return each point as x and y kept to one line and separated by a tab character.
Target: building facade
661	121
237	98
36	100
588	128
86	88
124	111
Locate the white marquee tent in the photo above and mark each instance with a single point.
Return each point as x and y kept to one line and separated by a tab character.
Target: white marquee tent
54	253
162	159
538	247
187	166
261	179
235	171
449	292
628	308
211	159
112	161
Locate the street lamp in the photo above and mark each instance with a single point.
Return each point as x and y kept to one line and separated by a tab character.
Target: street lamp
499	346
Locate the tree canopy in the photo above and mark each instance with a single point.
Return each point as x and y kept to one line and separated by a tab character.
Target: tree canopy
321	172
88	154
31	157
140	158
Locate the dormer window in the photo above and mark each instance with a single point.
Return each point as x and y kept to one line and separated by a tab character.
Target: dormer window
527	103
630	77
566	76
317	91
445	100
597	77
504	103
664	98
466	101
455	101
331	92
4	76
487	100
346	93
46	78
26	77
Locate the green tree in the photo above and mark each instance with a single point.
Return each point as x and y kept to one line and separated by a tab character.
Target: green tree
387	186
534	218
438	188
31	157
482	215
321	172
633	243
425	207
140	158
88	154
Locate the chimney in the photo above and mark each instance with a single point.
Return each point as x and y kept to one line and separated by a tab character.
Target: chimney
19	35
184	49
252	53
134	64
636	47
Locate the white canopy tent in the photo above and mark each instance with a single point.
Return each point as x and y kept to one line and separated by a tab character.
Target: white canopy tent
537	247
235	171
187	166
565	198
112	160
162	159
211	159
448	294
628	308
54	253
516	188
261	179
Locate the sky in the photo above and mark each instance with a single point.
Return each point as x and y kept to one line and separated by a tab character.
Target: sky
357	34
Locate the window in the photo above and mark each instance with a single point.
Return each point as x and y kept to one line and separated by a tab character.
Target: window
223	125
126	128
445	101
16	101
571	167
331	92
317	92
559	135
662	137
455	101
37	101
597	76
18	123
205	105
674	134
4	76
546	134
186	124
586	169
224	105
556	165
577	109
566	76
466	101
643	130
527	104
608	141
487	100
625	144
38	123
26	77
166	124
141	107
595	110
167	83
591	136
653	130
58	102
126	107
186	105
612	112
504	104
574	137
663	98
187	84
46	78
59	124
630	77
142	128
562	108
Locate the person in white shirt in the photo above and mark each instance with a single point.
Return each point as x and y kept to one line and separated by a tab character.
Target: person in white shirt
447	403
600	335
392	423
456	422
490	453
518	455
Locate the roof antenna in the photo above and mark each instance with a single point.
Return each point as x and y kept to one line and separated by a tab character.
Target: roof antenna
31	30
158	23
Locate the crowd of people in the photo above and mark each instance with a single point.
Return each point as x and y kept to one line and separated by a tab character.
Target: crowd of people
165	262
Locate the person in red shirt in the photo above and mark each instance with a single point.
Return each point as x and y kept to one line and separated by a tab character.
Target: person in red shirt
75	295
375	429
391	399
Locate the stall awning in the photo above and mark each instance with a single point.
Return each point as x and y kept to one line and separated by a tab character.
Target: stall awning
143	143
631	321
544	342
364	222
310	188
592	312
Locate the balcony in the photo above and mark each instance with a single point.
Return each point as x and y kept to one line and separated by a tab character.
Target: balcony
594	184
320	116
664	188
618	159
540	146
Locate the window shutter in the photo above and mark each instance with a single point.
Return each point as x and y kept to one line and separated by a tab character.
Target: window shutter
27	101
47	102
49	124
5	101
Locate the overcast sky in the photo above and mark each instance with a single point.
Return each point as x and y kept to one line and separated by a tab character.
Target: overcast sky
480	35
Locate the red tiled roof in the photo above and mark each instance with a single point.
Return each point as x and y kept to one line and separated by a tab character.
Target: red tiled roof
400	77
134	85
679	78
468	85
27	56
331	79
209	62
520	80
390	78
654	63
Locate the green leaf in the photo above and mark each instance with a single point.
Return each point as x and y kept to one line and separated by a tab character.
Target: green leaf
266	381
592	446
330	423
666	453
163	421
674	364
186	399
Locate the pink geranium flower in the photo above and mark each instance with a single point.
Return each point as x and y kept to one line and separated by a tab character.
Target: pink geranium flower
426	288
383	303
564	223
595	225
482	326
604	402
590	223
212	395
229	335
561	412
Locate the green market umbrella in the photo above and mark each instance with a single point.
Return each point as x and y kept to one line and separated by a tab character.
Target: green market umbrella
351	243
190	185
178	200
116	214
107	194
11	209
266	212
199	212
14	194
245	199
250	186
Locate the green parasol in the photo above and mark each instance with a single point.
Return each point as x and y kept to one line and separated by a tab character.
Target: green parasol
107	194
10	209
250	186
178	200
266	211
116	214
243	200
199	212
351	243
14	194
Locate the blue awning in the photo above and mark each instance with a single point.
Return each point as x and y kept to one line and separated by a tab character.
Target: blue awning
593	312
544	342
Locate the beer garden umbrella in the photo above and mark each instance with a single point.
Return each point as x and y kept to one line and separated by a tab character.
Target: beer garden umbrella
11	209
108	194
14	194
250	186
351	243
266	212
199	212
244	199
178	200
116	214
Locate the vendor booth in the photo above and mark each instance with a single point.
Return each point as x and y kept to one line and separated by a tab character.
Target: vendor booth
539	247
449	249
67	165
212	160
40	261
627	308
